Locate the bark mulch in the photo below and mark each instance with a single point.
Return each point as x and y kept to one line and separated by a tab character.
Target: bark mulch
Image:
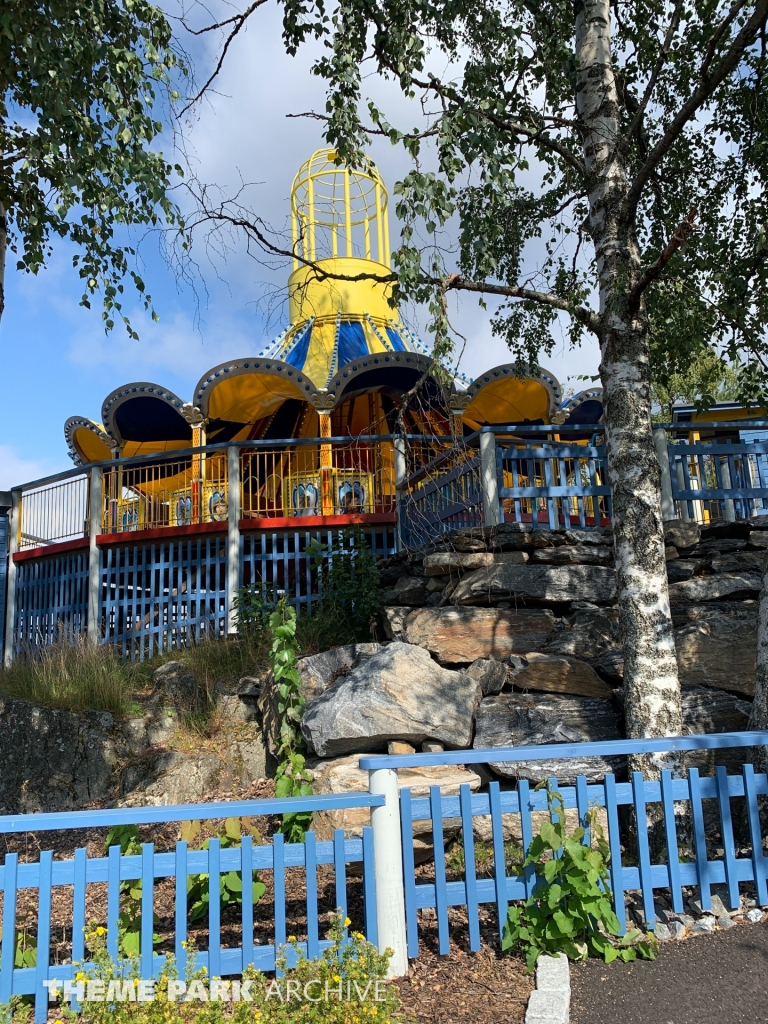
720	978
479	988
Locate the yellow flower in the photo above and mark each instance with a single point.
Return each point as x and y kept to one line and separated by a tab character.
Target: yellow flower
347	922
358	935
291	938
374	1010
79	976
101	931
184	944
365	1009
336	977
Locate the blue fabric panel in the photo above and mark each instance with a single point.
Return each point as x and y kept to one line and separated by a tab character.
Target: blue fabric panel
352	344
298	354
396	341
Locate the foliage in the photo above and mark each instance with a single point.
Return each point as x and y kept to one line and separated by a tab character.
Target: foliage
570	909
25	948
349	580
253	606
81	86
72	674
291	778
704	380
513	859
129	921
198	886
231	884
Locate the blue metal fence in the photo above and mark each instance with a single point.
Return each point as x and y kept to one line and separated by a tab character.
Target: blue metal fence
51	599
725	480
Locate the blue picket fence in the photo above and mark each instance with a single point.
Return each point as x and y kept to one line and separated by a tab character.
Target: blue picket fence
394	891
79	874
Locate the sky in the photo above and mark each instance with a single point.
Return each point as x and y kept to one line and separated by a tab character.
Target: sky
56	360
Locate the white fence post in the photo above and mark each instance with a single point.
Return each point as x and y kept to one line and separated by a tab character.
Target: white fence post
662	454
388	869
233	534
489	478
96	511
14	532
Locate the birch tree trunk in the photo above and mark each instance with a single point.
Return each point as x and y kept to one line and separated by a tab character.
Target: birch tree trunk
651	686
758	717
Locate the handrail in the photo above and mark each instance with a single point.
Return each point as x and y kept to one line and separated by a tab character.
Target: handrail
184	812
177	453
560	751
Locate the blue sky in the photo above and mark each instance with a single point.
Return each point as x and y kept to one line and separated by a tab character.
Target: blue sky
56	360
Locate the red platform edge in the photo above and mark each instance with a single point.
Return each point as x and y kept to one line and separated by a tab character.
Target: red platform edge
171	532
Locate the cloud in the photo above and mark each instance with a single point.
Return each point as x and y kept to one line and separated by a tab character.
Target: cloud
14	469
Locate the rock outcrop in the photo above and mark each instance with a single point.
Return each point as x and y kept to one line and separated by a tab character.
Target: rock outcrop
400	693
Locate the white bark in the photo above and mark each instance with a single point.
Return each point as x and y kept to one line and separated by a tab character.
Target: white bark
651	687
758	718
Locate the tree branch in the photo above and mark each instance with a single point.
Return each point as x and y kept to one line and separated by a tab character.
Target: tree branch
238	21
708	84
677	241
640	111
590	319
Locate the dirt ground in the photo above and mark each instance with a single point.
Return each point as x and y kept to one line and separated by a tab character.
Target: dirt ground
721	978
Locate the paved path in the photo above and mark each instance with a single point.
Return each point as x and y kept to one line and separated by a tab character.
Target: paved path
720	978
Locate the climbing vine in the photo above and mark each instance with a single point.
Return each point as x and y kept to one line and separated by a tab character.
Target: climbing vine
291	779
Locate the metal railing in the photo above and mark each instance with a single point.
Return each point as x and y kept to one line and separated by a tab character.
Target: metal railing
55	513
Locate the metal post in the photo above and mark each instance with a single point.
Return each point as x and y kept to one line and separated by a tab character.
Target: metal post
94	568
729	509
388	869
400	474
233	534
662	454
489	478
14	536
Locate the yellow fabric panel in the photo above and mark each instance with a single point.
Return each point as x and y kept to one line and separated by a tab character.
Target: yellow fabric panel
90	446
715	415
318	362
135	448
309	296
248	397
509	400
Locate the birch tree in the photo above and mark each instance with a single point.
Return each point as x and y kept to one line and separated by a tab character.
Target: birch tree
602	162
81	86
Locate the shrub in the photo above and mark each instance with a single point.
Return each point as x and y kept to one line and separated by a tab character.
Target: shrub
570	909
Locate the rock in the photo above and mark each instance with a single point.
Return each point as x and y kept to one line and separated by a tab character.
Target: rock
726	921
663	934
707	711
740	561
517	720
754	916
550	583
720	546
52	760
588	634
237	708
554	673
175	685
682	535
671	553
739	529
396	747
677	930
684	569
703	925
710	588
457	562
399	693
600	536
610	666
490	674
482	824
393	622
577	554
465	540
409	590
719	651
462	635
758	539
342	775
318	672
249	686
432	747
170	777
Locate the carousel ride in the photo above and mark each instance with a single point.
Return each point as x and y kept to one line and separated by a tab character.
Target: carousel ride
314	414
